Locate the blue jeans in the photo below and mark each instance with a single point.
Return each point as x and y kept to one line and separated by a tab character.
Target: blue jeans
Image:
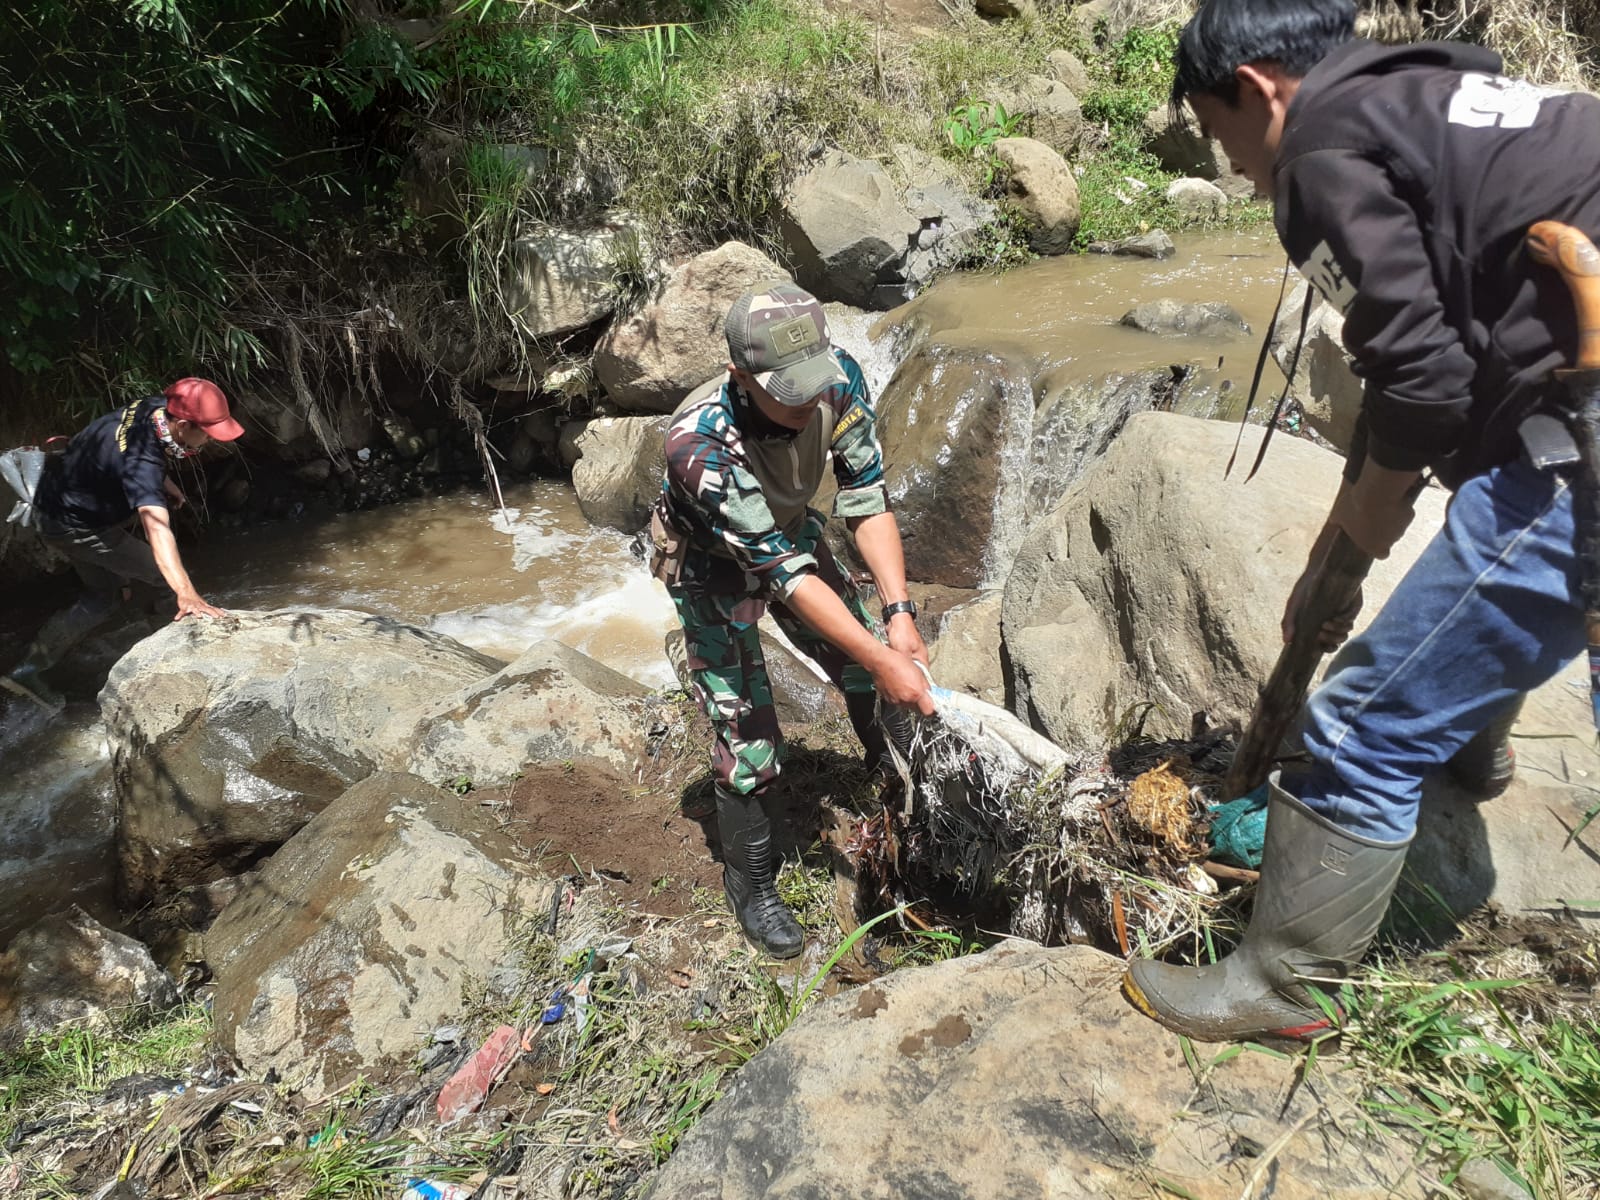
1491	609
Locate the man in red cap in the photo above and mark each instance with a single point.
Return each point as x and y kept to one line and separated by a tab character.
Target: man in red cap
112	470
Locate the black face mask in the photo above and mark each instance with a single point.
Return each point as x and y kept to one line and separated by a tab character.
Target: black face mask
754	423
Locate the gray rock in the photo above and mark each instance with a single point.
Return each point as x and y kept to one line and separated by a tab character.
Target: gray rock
950	215
1325	383
1003	9
228	735
1181	149
1178	145
1155	244
965	656
560	279
848	231
1069	69
1050	113
69	967
1514	851
1197	199
1174	318
356	938
651	360
1042	189
617	464
944	420
1107	607
550	705
1022	1072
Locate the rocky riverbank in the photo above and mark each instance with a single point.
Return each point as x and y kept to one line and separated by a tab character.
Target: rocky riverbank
363	848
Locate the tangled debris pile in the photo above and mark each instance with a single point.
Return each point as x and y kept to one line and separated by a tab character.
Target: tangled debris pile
1110	850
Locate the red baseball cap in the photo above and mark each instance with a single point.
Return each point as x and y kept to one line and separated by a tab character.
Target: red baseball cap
202	402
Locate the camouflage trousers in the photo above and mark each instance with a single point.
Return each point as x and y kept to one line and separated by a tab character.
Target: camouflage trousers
729	670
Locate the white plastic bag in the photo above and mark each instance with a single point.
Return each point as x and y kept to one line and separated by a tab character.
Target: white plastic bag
21	469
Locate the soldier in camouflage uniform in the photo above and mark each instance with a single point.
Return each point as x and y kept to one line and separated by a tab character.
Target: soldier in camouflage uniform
734	535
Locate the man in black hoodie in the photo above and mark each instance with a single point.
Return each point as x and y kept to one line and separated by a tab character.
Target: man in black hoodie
1404	180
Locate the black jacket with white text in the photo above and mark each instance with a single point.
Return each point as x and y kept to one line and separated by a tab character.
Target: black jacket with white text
1406	179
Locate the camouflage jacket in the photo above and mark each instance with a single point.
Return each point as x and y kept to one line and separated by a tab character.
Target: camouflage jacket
713	492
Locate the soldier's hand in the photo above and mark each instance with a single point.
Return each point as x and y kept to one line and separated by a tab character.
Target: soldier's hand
900	681
905	637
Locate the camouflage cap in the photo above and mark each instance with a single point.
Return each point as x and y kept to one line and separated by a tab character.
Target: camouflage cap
779	333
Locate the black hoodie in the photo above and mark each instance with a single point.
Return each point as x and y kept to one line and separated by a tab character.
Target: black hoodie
1406	179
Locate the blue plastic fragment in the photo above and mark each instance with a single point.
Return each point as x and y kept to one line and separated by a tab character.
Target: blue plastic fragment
1239	829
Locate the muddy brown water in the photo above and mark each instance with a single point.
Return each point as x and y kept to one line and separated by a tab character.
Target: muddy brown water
499	581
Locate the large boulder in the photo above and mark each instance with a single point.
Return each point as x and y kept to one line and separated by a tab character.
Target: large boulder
1027	1074
1197	199
1181	150
965	656
558	280
56	844
69	967
1040	186
1325	385
617	464
358	936
1050	112
848	231
228	735
551	705
1517	851
1156	579
652	359
1068	68
950	216
945	419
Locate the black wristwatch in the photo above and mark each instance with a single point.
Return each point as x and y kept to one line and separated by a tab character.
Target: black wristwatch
898	607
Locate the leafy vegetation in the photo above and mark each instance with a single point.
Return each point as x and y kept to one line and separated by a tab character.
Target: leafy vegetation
1479	1074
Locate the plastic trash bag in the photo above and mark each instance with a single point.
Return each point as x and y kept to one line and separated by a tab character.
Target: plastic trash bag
1239	829
21	469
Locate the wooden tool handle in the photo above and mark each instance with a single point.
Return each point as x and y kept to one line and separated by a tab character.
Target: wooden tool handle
1570	252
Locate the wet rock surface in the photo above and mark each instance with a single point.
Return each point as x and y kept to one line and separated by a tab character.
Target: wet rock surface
1033	1077
355	938
228	735
943	421
1175	318
56	838
965	657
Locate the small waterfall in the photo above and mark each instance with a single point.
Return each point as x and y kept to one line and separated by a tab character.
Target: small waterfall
853	331
1013	511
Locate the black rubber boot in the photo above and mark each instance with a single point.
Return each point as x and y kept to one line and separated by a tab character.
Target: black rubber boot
875	729
1322	894
749	875
1487	764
